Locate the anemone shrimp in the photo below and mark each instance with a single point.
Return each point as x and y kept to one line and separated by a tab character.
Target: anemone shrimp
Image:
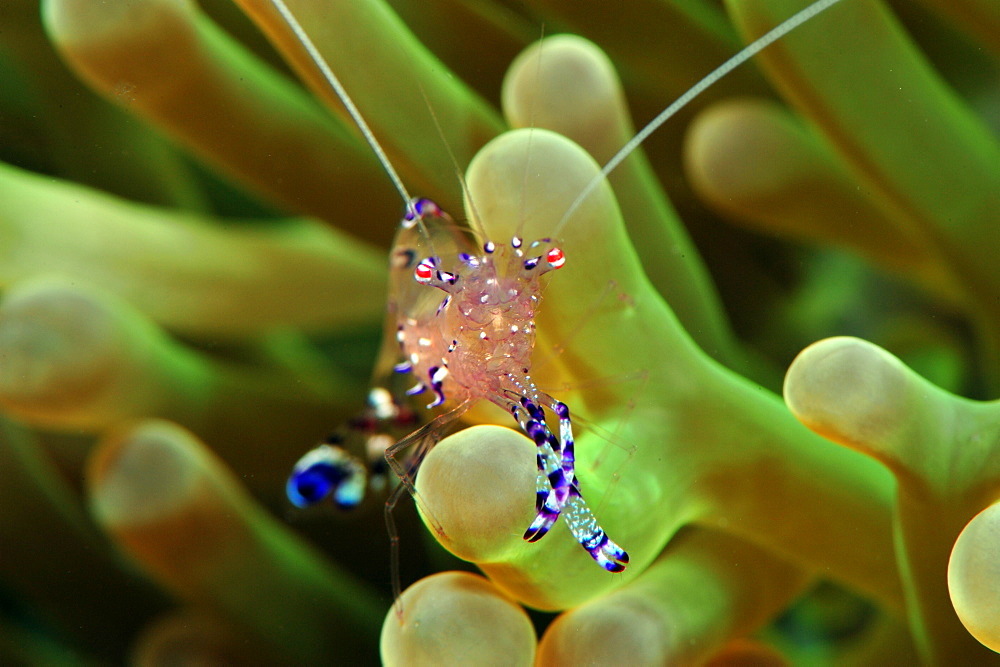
475	343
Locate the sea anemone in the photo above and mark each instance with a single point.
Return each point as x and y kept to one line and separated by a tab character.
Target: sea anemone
171	341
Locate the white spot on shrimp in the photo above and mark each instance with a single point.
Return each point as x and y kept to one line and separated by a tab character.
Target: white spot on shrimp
381	400
376	445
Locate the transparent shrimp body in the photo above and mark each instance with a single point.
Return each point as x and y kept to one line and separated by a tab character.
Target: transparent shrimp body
468	340
485	324
475	343
351	460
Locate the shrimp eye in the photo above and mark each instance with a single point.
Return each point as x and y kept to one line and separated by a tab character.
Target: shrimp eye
556	258
424	272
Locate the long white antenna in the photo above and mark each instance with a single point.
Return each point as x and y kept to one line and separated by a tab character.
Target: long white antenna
749	51
338	88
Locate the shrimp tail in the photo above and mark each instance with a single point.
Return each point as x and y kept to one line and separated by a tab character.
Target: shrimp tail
327	471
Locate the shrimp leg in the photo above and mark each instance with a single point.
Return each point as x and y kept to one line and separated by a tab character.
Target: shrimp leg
580	520
558	490
424	438
583	525
552	483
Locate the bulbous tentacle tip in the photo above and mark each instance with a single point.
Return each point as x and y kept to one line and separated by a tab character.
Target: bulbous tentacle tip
144	473
852	392
614	630
974	577
509	204
457	618
565	83
477	484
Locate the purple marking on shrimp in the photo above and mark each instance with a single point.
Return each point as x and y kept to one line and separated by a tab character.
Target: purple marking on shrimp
327	472
555	500
437	375
551	484
590	535
403	259
422	207
566	437
553	478
469	260
444	304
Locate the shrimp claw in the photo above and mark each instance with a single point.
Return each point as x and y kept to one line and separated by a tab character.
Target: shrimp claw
551	482
585	529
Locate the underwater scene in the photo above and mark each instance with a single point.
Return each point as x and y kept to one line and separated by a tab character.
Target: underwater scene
346	332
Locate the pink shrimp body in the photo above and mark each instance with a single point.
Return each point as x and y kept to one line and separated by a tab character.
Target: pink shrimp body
492	316
476	343
483	332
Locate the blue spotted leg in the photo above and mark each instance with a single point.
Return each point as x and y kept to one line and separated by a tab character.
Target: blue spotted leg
581	521
558	489
552	483
350	460
583	525
422	440
328	470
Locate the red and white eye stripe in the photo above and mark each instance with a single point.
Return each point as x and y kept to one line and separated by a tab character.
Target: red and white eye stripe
424	272
556	258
